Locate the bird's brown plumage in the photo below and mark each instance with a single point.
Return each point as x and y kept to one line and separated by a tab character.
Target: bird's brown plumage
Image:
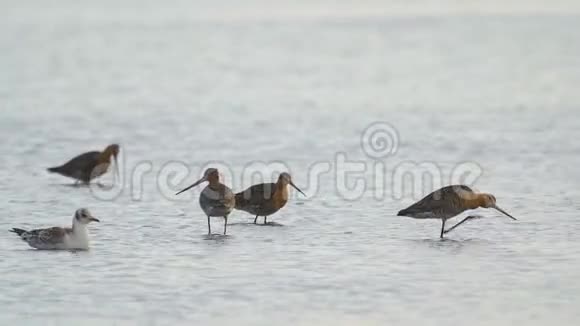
265	199
448	202
216	199
88	166
262	199
443	203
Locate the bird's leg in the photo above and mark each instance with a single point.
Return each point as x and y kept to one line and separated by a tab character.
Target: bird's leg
255	219
208	226
225	224
471	217
442	228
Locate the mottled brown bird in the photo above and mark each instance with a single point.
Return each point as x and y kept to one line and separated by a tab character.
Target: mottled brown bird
216	199
449	202
265	199
90	165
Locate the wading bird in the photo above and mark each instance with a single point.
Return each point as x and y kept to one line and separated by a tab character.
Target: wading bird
57	238
89	166
449	202
265	199
216	199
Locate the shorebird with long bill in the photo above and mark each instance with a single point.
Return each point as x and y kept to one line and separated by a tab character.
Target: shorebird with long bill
90	165
448	202
58	238
216	199
265	199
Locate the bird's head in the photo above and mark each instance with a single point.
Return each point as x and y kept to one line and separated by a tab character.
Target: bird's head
112	150
285	179
488	201
83	216
211	175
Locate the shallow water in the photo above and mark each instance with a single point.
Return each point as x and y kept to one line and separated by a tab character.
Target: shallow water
492	95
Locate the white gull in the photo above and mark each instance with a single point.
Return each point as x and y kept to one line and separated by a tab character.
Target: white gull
58	238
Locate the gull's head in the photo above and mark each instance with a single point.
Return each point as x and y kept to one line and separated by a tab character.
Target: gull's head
83	216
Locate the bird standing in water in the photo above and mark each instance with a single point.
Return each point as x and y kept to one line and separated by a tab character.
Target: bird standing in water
88	166
265	199
58	238
449	202
216	199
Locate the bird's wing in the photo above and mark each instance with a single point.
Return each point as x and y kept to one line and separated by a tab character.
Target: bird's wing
458	188
255	195
84	162
227	197
437	199
222	197
45	237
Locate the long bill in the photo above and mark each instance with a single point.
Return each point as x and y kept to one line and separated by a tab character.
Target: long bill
117	173
193	185
294	186
504	212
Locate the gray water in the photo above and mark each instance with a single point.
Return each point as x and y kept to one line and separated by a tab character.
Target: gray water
497	94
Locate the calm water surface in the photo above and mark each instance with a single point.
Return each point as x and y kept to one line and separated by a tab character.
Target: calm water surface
498	92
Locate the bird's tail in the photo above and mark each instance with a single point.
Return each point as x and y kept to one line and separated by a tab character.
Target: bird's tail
403	212
18	231
55	169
